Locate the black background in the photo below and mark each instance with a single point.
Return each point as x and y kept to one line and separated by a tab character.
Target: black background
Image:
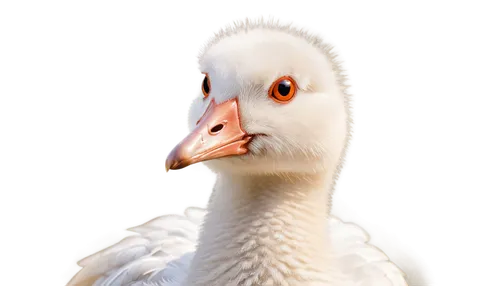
122	67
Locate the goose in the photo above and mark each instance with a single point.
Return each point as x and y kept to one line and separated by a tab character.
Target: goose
273	122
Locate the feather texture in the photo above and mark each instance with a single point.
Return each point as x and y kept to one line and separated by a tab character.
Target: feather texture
357	262
161	252
260	196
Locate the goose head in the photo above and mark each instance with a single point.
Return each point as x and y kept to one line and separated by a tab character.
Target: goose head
272	101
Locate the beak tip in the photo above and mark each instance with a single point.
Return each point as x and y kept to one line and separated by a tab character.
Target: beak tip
167	164
172	164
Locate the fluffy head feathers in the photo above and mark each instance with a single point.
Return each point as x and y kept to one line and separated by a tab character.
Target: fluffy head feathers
307	135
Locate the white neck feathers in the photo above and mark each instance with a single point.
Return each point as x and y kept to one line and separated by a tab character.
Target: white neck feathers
265	230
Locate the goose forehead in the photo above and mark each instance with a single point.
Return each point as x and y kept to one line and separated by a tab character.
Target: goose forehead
260	56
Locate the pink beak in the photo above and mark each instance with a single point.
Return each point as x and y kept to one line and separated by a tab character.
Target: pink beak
218	133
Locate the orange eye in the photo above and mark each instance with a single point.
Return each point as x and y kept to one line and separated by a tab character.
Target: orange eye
206	86
283	89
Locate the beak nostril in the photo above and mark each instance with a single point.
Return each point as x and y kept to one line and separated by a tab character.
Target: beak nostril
216	129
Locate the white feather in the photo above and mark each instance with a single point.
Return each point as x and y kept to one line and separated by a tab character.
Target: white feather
359	262
162	258
159	255
268	206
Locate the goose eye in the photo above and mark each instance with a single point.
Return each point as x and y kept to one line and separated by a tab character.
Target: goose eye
205	86
283	89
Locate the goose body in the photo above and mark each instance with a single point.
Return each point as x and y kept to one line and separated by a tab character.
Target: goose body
273	122
163	248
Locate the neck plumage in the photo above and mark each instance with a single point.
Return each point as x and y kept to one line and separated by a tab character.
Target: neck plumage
265	230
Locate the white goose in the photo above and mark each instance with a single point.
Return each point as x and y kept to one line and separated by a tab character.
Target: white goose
273	122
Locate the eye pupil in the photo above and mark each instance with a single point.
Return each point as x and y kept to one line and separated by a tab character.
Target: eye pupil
206	86
284	87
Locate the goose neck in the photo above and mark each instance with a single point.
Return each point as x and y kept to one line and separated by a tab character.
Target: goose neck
265	228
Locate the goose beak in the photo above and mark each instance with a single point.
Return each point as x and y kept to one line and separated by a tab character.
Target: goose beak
218	133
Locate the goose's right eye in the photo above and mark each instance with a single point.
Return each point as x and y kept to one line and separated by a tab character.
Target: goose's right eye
283	89
205	86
